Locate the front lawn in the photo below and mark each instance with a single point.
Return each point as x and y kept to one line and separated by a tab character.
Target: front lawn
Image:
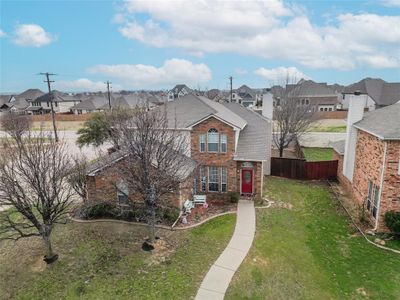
318	154
312	252
105	261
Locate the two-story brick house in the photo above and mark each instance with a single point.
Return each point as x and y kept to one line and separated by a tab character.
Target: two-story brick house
369	159
230	145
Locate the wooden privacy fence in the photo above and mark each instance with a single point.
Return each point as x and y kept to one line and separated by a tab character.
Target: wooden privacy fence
302	169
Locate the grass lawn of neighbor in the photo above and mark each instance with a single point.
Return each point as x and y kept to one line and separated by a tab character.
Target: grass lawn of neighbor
105	261
318	154
312	252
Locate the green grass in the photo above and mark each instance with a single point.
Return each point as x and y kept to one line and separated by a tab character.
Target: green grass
318	154
311	252
105	261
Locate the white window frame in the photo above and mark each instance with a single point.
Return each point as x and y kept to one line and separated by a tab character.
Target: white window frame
212	132
210	177
202	142
224	180
223	141
122	191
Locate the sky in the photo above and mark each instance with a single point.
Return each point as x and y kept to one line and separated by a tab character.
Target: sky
157	44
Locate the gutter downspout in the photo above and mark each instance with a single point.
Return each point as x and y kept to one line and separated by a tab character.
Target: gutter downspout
381	188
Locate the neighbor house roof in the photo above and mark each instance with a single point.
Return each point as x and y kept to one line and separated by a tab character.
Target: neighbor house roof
254	142
384	123
382	92
58	96
30	94
309	88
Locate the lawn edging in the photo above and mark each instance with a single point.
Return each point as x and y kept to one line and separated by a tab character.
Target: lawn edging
157	226
358	228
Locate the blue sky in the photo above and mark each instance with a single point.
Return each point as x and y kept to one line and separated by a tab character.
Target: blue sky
150	45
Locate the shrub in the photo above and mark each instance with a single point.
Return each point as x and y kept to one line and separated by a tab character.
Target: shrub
392	221
100	210
233	197
169	214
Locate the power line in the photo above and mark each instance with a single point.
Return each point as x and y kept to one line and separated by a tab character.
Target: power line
47	74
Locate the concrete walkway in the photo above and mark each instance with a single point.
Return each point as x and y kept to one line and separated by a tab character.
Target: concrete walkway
219	276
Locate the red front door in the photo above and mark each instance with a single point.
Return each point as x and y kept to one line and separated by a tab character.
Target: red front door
247	181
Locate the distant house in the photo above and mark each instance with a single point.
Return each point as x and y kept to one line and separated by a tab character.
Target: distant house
320	96
178	91
379	93
369	159
62	103
5	102
247	96
18	103
100	102
229	144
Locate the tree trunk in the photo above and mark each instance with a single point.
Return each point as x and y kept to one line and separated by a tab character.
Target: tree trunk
50	255
281	151
152	234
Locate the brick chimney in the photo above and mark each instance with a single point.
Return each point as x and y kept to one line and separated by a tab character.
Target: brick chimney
267	104
357	103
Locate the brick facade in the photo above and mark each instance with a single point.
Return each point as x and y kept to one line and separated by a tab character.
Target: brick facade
226	160
368	168
102	187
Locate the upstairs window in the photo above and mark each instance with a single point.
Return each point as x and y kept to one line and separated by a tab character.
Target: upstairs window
213	140
202	142
224	141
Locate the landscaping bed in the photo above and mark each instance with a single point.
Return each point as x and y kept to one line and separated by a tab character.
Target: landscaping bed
201	213
312	251
105	261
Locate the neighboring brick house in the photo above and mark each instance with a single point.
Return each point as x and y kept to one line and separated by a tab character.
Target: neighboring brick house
229	144
373	176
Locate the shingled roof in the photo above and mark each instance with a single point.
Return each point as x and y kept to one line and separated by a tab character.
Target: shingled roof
253	141
382	92
383	123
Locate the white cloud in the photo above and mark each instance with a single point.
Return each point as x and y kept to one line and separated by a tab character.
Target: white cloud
269	29
391	3
280	74
2	33
173	71
32	35
83	85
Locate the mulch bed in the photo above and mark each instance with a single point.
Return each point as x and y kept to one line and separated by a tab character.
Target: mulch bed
201	213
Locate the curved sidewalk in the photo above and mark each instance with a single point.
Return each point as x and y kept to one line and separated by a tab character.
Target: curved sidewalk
219	276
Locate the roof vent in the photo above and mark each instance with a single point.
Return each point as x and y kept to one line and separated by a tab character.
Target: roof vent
357	93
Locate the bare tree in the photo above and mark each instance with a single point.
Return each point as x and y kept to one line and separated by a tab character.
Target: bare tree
292	116
77	176
16	125
155	163
33	182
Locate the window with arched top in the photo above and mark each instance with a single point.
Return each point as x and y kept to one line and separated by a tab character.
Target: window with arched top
212	140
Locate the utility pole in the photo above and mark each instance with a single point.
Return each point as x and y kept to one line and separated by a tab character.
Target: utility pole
108	93
230	80
47	74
